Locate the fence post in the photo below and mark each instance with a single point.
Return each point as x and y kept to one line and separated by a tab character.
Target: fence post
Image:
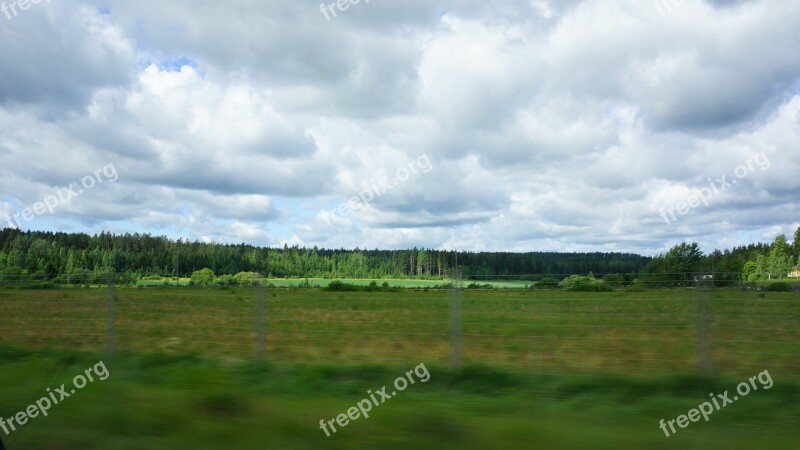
705	327
456	323
261	325
112	307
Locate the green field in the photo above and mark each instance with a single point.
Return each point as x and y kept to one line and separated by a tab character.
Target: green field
542	369
620	332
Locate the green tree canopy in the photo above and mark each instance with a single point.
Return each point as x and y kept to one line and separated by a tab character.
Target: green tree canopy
677	267
779	261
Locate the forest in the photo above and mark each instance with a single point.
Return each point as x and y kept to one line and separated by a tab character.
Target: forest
78	258
48	256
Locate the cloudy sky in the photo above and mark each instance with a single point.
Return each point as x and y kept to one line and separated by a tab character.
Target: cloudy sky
507	125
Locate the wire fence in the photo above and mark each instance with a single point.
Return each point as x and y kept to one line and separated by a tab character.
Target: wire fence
720	331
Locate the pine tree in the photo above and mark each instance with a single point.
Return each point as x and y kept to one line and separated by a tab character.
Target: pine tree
796	245
779	262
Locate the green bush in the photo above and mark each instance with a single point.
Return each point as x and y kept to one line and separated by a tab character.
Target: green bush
80	276
615	280
573	281
546	283
338	286
103	277
584	284
592	287
779	287
247	278
227	280
127	279
203	277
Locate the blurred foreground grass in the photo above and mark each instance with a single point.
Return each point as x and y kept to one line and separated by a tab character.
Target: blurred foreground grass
612	333
201	402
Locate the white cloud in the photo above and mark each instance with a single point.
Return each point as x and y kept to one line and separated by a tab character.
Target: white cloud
550	125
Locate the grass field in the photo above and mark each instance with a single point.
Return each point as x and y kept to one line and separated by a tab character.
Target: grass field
532	331
162	402
544	369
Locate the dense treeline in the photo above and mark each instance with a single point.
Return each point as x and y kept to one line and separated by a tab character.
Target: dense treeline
75	256
685	264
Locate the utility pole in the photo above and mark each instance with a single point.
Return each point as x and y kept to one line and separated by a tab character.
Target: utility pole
111	326
456	330
456	324
177	263
705	327
261	322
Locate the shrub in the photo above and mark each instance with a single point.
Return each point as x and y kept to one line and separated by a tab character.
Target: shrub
585	284
779	287
203	277
41	285
247	278
103	277
593	287
12	275
226	280
126	279
573	281
546	283
338	286
80	276
39	275
615	280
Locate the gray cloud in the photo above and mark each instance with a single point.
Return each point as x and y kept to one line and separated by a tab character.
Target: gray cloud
550	125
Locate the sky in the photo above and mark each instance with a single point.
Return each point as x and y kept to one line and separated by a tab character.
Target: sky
511	125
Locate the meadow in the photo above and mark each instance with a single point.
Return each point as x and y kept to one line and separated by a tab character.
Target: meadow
621	332
214	367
